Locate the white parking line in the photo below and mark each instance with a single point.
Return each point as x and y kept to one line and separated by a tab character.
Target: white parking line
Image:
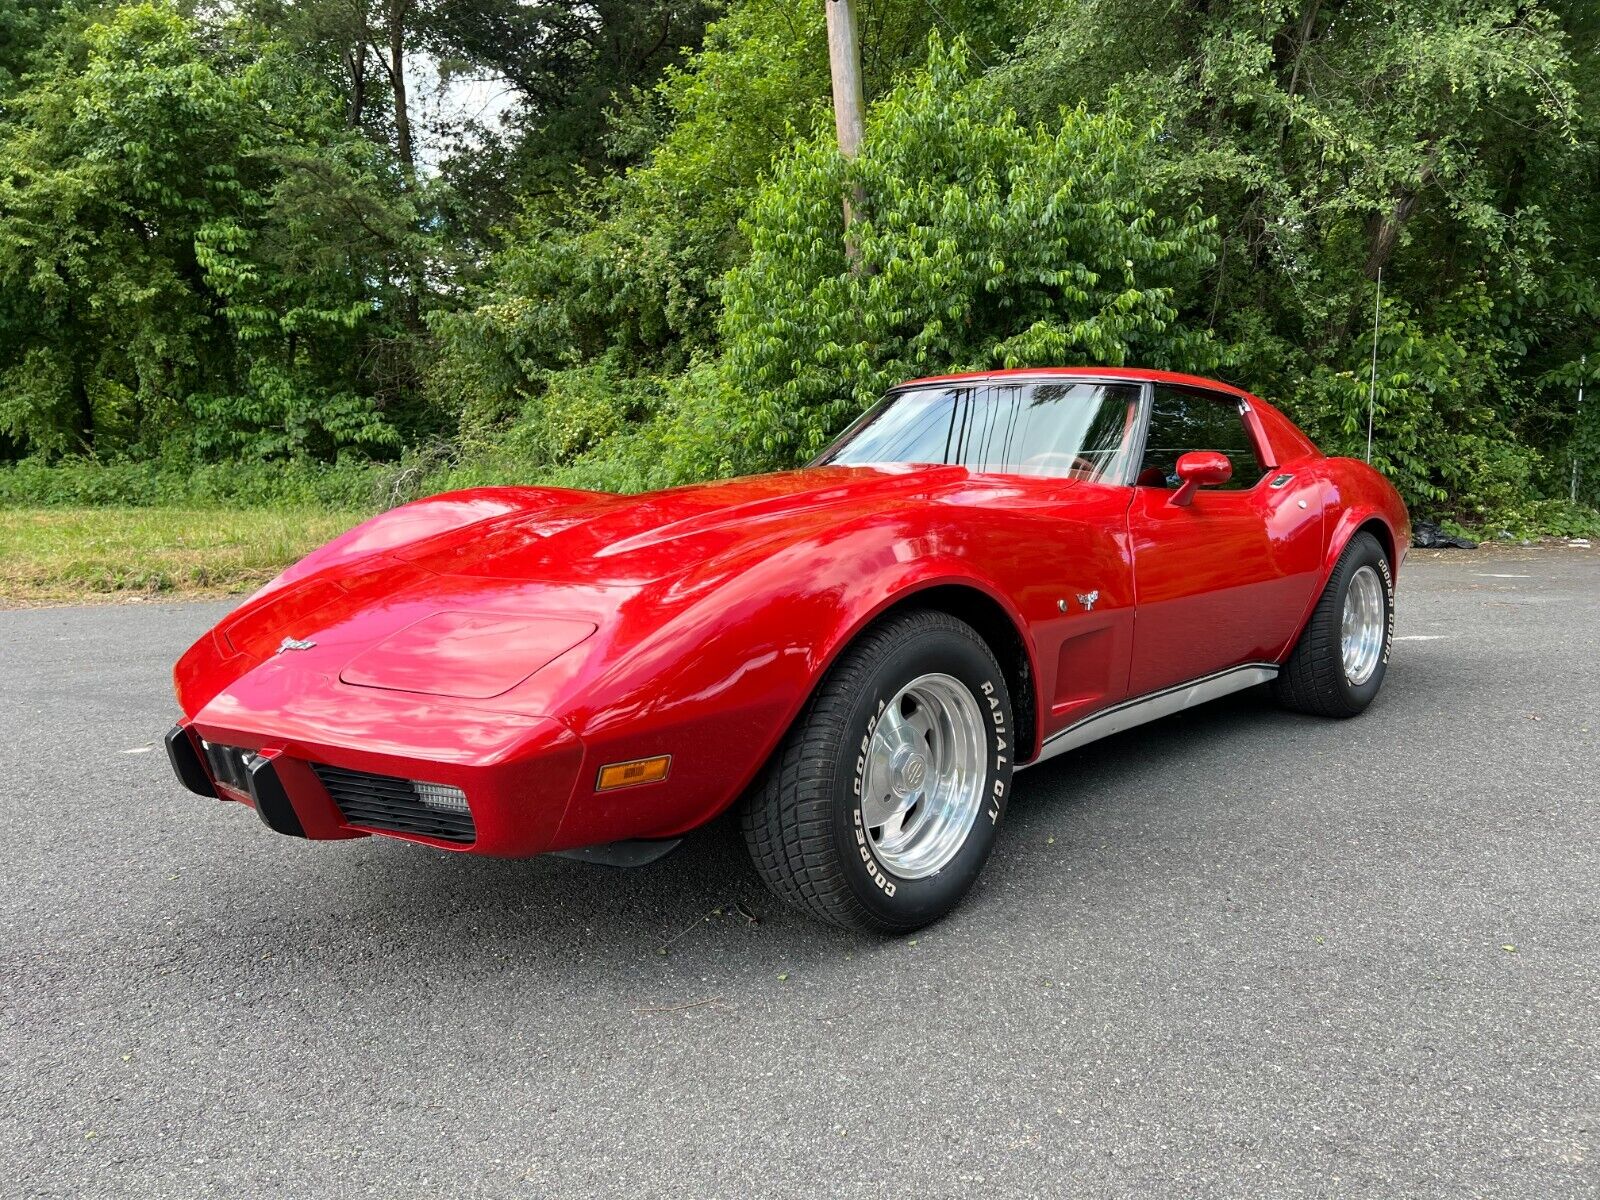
1424	637
1492	575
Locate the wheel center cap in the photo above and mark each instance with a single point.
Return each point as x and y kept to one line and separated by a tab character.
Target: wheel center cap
910	772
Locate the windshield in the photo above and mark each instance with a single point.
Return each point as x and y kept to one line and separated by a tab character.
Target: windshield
1074	430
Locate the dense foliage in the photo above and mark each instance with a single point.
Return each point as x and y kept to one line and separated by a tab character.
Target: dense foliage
1449	144
240	260
193	256
981	243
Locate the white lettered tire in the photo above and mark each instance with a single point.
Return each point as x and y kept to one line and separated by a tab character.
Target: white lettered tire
1339	662
883	803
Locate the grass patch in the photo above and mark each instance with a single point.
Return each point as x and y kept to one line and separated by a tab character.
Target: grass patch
74	555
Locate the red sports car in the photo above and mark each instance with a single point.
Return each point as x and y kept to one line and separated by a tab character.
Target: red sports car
982	572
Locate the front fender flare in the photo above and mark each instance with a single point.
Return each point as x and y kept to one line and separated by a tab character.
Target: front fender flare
419	520
942	577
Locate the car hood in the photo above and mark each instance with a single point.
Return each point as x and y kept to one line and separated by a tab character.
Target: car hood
543	587
621	540
531	574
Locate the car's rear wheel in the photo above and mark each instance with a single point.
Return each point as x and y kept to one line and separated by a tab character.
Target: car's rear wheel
1339	662
882	804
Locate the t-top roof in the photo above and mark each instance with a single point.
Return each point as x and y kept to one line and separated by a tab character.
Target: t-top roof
1137	374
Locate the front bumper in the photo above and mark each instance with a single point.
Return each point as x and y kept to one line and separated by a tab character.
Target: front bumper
508	802
257	782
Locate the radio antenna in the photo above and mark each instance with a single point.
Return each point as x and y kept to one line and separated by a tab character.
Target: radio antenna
1577	423
1372	390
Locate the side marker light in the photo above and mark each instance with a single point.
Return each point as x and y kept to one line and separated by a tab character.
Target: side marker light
632	774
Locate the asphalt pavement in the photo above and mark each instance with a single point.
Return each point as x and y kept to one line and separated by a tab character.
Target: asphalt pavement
1236	953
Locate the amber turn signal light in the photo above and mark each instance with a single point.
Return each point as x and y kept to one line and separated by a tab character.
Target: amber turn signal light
631	774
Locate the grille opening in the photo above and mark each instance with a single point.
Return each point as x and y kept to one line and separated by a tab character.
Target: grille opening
230	765
386	802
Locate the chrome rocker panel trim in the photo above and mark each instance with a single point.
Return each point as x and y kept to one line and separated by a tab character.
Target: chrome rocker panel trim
1153	707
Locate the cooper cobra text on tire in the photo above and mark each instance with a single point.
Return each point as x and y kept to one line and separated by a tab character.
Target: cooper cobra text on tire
1338	664
882	804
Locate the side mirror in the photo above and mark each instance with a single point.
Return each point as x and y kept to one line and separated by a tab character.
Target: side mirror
1200	468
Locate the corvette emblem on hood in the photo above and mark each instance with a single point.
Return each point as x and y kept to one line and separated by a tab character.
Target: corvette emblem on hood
290	643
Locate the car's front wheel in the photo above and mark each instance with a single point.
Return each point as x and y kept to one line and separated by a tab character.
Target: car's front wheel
884	800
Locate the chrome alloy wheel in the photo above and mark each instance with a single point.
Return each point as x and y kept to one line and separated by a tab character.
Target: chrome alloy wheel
924	778
1362	630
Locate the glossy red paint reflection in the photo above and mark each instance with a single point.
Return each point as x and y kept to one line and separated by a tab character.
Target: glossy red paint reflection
473	655
513	641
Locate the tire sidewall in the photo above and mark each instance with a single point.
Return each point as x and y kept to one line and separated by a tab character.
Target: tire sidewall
892	901
1365	551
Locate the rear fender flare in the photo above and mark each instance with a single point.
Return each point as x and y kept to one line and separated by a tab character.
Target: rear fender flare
1349	524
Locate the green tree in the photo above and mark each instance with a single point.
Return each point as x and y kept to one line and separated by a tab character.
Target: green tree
626	276
570	64
982	244
1443	142
194	255
24	26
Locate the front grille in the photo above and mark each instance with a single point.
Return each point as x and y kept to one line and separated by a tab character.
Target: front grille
398	805
230	765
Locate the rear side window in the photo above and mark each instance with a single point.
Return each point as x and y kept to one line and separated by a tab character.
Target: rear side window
1182	420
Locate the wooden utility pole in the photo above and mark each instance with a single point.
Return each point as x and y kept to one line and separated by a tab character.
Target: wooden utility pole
844	56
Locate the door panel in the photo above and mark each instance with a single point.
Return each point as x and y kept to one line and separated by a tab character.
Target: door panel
1221	581
1224	579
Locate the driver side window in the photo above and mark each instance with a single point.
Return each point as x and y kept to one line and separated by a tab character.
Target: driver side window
1183	419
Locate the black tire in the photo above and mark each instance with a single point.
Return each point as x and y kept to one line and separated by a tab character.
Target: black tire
1313	680
801	818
